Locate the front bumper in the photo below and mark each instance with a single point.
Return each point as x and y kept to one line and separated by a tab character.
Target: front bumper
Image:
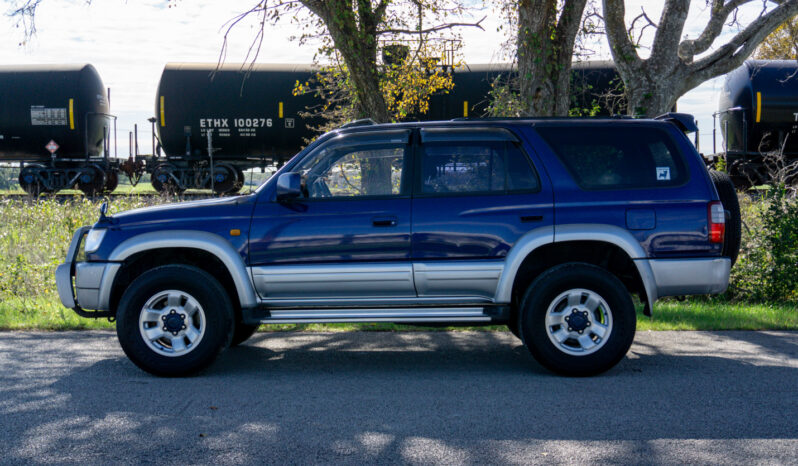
679	277
90	289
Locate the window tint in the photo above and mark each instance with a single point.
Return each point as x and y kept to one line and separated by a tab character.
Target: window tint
475	167
354	171
617	158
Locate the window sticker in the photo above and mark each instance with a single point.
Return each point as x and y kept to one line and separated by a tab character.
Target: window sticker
663	173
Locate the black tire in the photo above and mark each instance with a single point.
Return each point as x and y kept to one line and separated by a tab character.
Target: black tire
564	358
111	181
215	307
728	197
513	327
242	333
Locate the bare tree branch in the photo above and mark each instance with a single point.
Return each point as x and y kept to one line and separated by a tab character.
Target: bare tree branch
437	28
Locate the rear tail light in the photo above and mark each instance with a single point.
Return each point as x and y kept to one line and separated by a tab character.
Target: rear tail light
717	222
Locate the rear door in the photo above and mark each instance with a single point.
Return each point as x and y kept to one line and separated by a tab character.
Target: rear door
476	193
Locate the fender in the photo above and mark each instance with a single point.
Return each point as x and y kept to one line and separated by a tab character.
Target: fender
576	232
205	241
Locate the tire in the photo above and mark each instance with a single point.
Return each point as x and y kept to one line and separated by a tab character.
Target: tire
174	291
242	333
601	302
513	327
728	197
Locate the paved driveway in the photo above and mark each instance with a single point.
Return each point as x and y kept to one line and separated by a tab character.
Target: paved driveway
421	398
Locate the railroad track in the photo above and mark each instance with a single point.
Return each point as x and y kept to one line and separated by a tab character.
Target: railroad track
69	196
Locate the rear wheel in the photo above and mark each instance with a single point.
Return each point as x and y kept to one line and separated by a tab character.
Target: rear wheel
728	197
577	319
174	320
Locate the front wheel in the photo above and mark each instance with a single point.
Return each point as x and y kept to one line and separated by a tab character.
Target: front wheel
174	320
577	319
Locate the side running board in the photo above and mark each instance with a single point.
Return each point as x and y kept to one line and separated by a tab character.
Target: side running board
408	314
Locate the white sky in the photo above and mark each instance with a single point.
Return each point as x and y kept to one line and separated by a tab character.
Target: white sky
129	42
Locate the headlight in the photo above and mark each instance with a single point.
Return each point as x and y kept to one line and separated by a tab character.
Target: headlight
94	239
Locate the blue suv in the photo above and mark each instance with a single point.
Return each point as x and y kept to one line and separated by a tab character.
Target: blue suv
549	226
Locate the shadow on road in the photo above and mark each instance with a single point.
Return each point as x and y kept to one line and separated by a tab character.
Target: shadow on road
411	397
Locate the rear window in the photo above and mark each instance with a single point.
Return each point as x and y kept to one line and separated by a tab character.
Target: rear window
617	157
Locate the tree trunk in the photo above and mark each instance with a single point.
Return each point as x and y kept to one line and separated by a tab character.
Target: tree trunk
545	52
356	40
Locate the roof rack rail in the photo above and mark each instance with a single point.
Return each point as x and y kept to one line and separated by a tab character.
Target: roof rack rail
360	122
598	117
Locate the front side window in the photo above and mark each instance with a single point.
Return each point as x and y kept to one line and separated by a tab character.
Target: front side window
617	157
475	167
358	171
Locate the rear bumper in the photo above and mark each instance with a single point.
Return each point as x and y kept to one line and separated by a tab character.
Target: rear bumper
677	277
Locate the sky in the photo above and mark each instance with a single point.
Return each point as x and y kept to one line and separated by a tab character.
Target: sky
130	41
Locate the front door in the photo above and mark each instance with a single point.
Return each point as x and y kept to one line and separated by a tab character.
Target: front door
348	235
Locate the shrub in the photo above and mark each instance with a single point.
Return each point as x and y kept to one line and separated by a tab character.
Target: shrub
767	269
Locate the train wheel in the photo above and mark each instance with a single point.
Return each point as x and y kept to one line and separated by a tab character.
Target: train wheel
91	181
224	178
30	182
111	181
163	180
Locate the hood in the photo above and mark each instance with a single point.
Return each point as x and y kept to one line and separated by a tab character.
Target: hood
209	208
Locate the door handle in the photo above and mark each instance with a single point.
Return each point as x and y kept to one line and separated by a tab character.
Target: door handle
531	218
384	221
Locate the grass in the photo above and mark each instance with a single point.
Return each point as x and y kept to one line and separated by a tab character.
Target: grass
46	313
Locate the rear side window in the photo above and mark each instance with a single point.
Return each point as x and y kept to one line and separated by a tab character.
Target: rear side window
476	167
617	157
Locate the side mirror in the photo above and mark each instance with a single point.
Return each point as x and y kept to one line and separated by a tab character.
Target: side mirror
289	187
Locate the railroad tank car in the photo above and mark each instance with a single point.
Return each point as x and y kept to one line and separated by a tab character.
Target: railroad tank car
54	120
253	116
758	118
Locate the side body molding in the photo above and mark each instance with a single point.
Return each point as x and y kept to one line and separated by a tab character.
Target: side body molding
575	232
209	242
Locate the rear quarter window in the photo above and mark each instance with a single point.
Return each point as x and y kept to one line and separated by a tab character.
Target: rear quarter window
629	157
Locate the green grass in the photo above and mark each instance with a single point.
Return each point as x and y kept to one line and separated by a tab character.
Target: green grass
46	313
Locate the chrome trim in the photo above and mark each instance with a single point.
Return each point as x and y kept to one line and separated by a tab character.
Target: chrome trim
457	278
375	302
334	280
691	276
462	314
379	319
214	244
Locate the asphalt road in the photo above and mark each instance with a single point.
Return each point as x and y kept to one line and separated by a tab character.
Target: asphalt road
418	398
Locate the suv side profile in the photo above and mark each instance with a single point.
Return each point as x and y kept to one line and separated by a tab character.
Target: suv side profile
549	226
